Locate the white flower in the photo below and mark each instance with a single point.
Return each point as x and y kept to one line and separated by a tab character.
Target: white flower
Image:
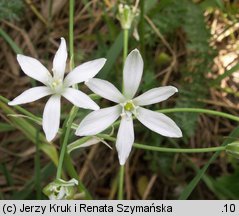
57	86
99	120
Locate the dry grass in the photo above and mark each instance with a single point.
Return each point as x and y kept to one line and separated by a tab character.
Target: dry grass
38	33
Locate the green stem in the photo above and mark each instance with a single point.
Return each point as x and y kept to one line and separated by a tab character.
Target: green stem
141	28
63	155
71	31
179	150
65	141
165	149
37	167
198	110
126	36
74	109
121	172
121	183
125	52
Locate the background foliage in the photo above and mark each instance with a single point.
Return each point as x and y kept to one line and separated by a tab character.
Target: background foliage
191	44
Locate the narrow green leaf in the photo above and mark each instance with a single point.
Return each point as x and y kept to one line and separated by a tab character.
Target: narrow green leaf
9	40
37	168
4	127
112	55
219	192
191	186
226	74
7	174
30	132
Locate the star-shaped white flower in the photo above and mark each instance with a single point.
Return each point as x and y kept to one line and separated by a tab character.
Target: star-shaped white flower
57	86
99	120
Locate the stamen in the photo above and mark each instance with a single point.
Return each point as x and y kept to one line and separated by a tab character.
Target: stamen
56	85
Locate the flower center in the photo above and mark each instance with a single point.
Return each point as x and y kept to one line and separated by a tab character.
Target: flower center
56	85
129	106
128	109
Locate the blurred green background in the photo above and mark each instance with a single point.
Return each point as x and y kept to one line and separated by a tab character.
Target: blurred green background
191	44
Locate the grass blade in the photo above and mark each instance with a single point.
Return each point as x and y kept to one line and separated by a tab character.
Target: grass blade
7	174
191	186
4	127
112	55
30	132
226	74
37	168
9	40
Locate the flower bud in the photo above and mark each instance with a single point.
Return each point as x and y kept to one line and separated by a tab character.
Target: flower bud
126	15
60	189
233	149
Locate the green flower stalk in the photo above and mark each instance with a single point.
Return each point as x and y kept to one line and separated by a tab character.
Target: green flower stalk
60	189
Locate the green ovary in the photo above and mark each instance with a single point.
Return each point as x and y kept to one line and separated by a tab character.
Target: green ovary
129	106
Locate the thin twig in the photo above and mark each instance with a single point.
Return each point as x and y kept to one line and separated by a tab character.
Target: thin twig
149	187
35	11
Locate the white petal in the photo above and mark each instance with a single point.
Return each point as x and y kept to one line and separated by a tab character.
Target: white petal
125	139
105	89
132	74
155	95
51	117
31	95
158	123
79	99
34	69
84	72
98	121
59	61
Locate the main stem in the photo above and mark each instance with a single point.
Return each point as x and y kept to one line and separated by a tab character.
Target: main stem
121	183
63	155
126	35
65	141
71	31
125	52
74	109
121	172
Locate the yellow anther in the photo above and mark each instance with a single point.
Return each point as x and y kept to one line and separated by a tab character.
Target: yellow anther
56	83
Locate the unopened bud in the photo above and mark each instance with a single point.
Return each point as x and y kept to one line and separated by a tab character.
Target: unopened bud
233	149
60	189
126	15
